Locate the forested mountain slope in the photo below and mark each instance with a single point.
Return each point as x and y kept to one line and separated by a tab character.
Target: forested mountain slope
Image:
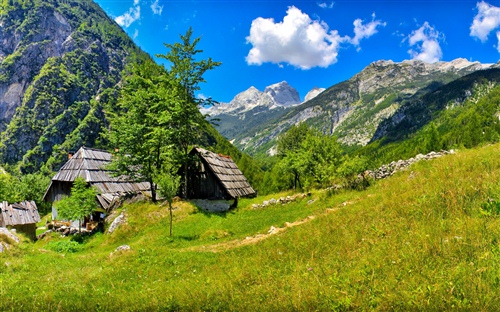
463	113
58	62
353	109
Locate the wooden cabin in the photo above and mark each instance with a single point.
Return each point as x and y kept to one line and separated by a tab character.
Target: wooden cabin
90	164
216	176
20	216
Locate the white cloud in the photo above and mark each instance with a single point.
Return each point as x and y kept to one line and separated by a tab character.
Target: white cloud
486	21
325	5
156	7
133	14
365	31
296	40
426	39
136	34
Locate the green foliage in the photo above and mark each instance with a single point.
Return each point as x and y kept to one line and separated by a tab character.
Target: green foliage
81	203
141	126
168	184
351	171
186	74
65	246
491	207
8	190
158	118
52	113
308	156
469	124
17	188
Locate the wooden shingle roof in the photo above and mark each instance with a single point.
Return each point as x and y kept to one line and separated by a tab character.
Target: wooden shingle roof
90	164
22	213
226	171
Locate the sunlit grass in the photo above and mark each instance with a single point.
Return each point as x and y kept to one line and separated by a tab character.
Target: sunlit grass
419	240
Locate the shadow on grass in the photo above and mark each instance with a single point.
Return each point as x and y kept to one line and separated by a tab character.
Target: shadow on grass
188	237
214	211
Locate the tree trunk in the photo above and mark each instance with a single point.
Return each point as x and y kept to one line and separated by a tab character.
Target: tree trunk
171	217
185	184
152	187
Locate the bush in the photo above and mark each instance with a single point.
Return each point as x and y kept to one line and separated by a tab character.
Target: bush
66	246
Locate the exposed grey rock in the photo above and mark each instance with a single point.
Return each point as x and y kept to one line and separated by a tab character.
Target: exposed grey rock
313	93
283	94
281	200
121	219
10	234
42	235
272	230
122	248
388	170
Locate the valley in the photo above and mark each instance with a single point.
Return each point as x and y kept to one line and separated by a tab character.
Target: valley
124	186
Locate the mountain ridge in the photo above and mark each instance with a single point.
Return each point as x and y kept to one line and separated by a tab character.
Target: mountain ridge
252	107
353	109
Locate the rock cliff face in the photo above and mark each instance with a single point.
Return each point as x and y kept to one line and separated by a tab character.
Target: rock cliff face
57	59
353	109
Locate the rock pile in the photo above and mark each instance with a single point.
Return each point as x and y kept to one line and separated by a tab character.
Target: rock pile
65	229
280	201
388	170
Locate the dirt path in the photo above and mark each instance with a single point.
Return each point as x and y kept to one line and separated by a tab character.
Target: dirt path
259	237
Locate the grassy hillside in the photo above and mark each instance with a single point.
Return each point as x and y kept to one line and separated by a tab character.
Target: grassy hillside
424	239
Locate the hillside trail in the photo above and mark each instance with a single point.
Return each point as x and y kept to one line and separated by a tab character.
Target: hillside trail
249	240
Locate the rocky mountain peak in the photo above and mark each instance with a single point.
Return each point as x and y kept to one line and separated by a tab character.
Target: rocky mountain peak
276	95
313	93
283	94
388	73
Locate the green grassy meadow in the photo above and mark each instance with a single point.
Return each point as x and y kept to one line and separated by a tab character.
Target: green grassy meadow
425	239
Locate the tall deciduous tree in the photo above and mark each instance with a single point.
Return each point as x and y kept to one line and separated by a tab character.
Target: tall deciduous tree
310	156
288	150
186	72
141	128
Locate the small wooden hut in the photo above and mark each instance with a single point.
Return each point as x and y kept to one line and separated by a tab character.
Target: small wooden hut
20	216
216	176
90	164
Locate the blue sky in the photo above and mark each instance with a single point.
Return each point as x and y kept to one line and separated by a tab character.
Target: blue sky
310	43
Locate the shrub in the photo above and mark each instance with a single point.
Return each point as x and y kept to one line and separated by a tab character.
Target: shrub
66	246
